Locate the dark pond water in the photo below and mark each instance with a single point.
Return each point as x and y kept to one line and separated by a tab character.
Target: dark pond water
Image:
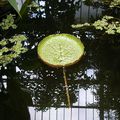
29	89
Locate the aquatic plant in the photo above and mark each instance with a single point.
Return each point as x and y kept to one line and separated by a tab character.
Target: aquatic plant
61	50
109	3
7	54
109	24
115	3
8	22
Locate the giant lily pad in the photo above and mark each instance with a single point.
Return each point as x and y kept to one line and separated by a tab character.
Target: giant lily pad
60	50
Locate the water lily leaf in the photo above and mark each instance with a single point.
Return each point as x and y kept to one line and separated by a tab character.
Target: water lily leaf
60	50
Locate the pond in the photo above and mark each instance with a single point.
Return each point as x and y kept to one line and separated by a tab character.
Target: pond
31	90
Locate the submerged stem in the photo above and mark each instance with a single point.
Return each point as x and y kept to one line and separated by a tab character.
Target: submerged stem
66	87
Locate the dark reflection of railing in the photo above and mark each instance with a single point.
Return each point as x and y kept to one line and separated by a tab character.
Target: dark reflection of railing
88	76
92	105
83	109
78	112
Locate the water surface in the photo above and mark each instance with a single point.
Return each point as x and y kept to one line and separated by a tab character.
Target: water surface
29	88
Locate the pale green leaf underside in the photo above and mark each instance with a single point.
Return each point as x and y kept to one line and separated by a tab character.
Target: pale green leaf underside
60	49
14	5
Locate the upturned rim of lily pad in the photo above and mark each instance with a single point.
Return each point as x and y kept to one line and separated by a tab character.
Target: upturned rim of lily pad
60	50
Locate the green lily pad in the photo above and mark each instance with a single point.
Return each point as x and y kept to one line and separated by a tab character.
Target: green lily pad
60	50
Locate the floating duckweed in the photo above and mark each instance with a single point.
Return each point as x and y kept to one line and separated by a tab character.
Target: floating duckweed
100	24
8	22
14	51
118	30
3	42
17	38
80	25
115	3
109	24
3	50
109	3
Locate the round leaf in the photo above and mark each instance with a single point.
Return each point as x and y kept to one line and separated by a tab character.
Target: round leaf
60	50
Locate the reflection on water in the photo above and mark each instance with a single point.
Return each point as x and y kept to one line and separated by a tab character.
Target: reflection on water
27	85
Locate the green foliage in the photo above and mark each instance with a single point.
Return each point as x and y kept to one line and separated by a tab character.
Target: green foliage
24	7
8	22
13	3
21	10
8	54
115	3
110	3
81	25
108	24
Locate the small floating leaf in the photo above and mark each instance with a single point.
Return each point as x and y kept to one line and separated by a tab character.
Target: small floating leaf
60	50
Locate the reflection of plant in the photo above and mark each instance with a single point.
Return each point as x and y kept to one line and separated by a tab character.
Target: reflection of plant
35	8
47	87
7	54
109	24
8	22
33	5
107	92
